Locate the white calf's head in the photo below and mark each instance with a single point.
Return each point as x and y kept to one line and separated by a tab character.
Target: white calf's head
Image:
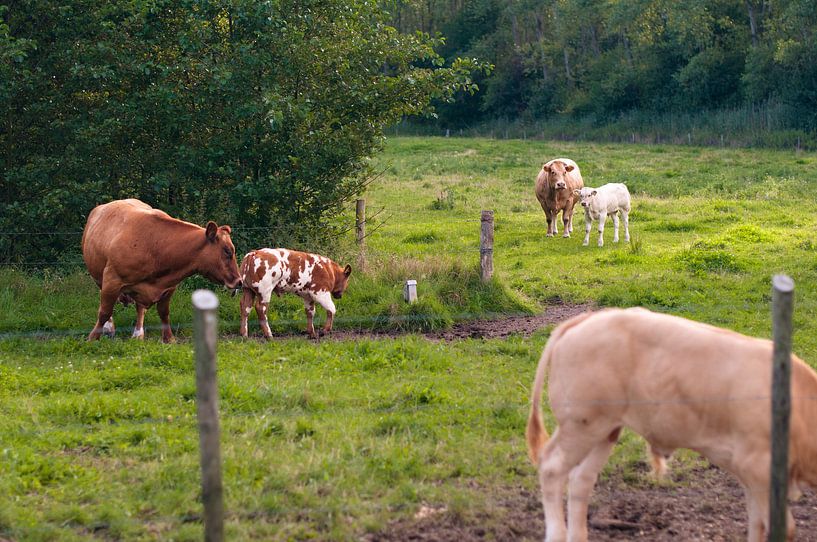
585	195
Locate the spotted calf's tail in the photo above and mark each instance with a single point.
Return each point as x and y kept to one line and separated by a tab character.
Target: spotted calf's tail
536	434
245	270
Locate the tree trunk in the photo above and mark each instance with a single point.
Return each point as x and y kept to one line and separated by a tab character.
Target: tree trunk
752	22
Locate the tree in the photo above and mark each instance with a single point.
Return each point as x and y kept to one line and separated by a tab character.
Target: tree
258	114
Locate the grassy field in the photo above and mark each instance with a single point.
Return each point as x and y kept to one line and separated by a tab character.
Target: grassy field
334	439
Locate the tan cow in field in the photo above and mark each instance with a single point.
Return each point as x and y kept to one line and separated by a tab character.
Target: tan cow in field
554	189
139	254
314	278
677	383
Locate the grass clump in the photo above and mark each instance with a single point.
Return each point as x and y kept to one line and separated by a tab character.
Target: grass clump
709	256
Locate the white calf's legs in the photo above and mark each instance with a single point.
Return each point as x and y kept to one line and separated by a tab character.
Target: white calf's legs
588	225
602	220
626	216
615	227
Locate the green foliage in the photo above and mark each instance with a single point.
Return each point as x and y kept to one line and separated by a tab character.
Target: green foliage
597	60
256	115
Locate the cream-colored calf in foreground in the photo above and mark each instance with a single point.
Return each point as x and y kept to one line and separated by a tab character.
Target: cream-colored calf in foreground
679	384
608	199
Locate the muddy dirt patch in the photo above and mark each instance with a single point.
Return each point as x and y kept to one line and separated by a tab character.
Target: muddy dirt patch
705	504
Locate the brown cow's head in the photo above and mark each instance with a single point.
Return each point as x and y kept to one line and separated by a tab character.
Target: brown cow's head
217	261
556	172
341	281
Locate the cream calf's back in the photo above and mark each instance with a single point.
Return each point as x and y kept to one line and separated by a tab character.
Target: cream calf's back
679	383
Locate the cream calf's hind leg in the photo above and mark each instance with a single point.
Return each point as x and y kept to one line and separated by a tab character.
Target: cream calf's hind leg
561	454
582	480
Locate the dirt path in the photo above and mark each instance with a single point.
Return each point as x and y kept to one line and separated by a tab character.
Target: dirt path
705	505
494	328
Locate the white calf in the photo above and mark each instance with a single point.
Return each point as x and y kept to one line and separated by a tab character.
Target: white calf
608	199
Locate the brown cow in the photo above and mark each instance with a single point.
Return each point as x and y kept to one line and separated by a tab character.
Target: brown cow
139	254
312	277
677	383
554	189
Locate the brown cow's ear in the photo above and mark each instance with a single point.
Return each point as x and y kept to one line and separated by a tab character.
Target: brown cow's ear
227	229
347	270
210	231
576	192
568	167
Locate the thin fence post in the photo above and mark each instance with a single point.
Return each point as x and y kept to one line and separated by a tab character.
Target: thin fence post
486	245
360	228
205	305
782	305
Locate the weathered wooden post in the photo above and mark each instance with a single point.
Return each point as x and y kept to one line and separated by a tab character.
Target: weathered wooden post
486	245
205	305
360	228
782	303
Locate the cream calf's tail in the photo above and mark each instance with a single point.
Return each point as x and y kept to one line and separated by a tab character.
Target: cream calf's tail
536	434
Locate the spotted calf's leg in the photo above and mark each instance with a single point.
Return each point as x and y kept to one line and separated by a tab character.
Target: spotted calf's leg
324	299
109	329
247	301
309	308
108	295
139	328
163	308
261	310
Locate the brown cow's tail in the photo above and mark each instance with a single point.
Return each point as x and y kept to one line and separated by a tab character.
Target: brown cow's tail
537	435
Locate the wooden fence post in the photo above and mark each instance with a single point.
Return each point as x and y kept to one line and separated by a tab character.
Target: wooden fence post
360	228
782	303
205	305
486	245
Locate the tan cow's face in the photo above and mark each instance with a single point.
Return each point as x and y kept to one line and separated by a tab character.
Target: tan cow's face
585	195
556	174
341	282
218	258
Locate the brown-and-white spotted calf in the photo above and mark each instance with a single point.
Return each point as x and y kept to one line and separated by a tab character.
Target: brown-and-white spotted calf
312	277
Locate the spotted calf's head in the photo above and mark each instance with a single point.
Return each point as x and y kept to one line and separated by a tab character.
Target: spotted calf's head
217	260
341	280
585	195
556	172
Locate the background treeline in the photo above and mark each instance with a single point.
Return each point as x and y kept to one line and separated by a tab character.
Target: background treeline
634	62
258	114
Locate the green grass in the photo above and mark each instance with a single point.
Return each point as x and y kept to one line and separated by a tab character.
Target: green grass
334	439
